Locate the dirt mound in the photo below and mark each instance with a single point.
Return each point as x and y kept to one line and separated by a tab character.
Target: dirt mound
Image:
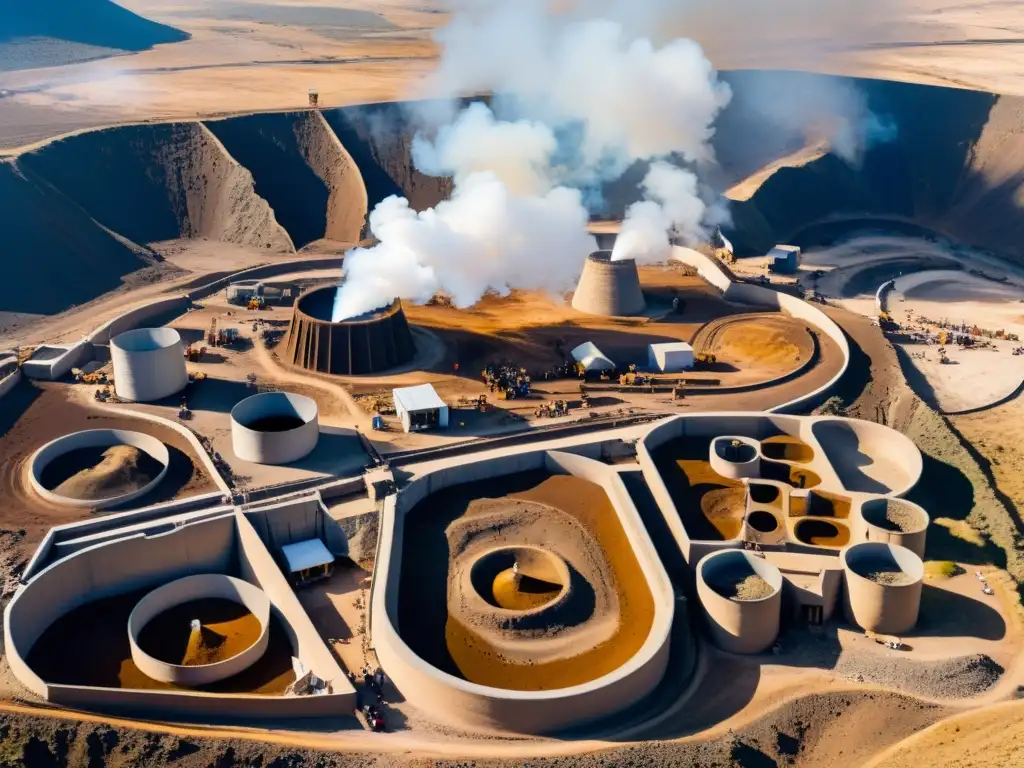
226	628
940	679
107	472
160	182
301	169
955	166
379	139
54	254
93	22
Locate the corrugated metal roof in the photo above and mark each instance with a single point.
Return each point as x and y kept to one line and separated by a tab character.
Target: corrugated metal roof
421	398
306	554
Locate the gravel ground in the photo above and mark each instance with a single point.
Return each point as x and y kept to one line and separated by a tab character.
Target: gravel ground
890	578
945	679
752	588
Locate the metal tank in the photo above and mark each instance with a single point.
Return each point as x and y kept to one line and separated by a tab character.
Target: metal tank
739	625
274	428
149	364
882	586
609	287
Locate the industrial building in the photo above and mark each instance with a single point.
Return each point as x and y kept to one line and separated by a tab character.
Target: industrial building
149	364
784	259
371	343
591	358
609	287
670	357
420	408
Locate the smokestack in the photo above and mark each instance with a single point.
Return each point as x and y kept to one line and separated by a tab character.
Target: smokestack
609	287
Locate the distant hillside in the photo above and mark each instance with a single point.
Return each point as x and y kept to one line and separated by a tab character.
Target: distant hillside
91	22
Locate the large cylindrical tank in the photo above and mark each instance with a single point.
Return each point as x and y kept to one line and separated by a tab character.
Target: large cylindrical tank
609	287
737	624
894	521
377	341
882	586
149	364
274	428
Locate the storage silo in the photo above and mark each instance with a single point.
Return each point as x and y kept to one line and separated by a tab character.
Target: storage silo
149	364
609	287
882	586
274	427
742	599
894	521
373	342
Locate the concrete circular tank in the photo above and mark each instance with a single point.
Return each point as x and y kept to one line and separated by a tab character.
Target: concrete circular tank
274	427
521	580
735	457
740	622
185	590
895	521
882	586
149	364
373	342
95	439
609	287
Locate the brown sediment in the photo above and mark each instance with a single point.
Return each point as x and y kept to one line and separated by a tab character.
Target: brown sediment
522	593
787	448
227	629
89	646
582	526
100	472
821	533
820	504
740	583
890	578
892	515
684	467
724	509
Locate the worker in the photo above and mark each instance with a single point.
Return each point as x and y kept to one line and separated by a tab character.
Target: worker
456	367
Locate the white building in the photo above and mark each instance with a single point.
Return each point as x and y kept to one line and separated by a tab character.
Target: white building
420	408
592	358
670	357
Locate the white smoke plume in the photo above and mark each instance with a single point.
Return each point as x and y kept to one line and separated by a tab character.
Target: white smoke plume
672	206
483	239
579	101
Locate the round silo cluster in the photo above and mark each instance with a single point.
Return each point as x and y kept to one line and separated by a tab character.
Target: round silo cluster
149	364
742	599
609	287
894	521
274	428
373	342
882	586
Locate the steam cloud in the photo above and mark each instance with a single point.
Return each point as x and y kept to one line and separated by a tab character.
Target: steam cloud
580	97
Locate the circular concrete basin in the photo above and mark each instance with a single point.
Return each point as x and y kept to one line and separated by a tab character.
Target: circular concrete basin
520	579
95	441
192	589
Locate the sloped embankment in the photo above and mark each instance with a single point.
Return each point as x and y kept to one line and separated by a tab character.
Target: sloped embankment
955	166
379	139
93	22
301	170
160	182
53	255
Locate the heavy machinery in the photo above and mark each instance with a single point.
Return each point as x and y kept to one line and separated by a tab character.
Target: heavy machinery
257	303
704	359
194	354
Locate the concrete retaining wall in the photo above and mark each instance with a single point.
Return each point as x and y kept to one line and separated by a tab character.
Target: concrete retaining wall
56	367
520	711
882	295
10	381
140	316
746	293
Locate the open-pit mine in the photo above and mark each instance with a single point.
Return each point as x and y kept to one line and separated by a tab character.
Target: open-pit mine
499	428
